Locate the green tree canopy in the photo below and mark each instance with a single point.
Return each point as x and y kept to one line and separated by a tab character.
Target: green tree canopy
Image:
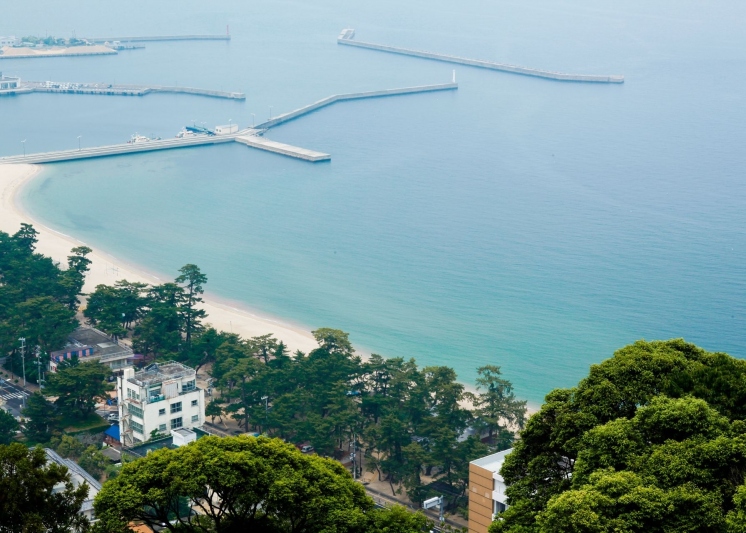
239	484
27	501
41	419
652	440
78	387
8	427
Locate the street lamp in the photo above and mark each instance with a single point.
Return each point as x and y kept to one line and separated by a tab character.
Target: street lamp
79	136
270	112
23	142
253	118
230	123
23	363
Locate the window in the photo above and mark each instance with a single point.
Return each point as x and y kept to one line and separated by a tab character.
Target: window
131	393
194	403
176	407
195	418
176	423
135	411
162	412
162	427
136	427
189	386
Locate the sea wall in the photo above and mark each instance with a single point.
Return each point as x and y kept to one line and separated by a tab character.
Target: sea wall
353	96
560	76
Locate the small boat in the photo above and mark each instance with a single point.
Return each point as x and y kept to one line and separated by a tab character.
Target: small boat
136	139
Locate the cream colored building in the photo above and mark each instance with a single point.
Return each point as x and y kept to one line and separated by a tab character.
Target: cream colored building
486	491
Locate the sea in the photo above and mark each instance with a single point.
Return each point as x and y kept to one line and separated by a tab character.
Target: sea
521	222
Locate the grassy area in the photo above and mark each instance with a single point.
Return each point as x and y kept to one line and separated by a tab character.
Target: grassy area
89	423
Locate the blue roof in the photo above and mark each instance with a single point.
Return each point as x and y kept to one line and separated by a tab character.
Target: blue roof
113	432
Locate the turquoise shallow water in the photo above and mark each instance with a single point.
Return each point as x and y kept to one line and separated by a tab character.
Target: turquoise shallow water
522	222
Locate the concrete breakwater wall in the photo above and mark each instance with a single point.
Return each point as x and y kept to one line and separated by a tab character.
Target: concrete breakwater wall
119	149
346	38
123	90
153	38
353	96
283	149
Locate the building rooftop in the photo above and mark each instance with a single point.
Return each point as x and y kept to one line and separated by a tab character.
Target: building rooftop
78	476
160	372
493	462
103	347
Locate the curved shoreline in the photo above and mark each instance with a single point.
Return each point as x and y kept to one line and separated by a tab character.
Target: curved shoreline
107	269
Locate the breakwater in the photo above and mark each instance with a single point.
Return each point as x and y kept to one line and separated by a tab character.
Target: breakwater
283	149
154	38
120	149
122	90
347	38
292	115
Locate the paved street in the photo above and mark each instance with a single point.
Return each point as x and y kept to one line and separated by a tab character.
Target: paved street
11	397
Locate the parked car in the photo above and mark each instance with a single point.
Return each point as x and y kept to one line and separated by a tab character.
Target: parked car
113	417
306	448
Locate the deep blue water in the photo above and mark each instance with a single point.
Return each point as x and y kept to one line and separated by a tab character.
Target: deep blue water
532	224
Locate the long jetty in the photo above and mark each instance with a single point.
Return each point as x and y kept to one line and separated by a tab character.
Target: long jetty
153	38
122	90
347	37
120	149
292	115
250	137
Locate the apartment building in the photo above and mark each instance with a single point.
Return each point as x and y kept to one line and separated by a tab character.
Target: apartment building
158	399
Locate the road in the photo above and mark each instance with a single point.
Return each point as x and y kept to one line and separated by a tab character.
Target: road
11	397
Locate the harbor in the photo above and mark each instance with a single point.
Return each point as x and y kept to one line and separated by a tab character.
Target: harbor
200	136
347	38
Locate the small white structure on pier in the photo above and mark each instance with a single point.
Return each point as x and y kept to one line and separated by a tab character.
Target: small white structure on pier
8	83
9	41
226	130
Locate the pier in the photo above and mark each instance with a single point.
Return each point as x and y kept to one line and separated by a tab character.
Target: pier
292	115
255	141
119	90
120	149
347	37
154	38
250	137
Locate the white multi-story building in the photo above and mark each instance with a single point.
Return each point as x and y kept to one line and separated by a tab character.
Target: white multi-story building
160	398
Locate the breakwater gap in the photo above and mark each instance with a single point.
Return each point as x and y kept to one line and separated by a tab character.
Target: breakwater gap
347	38
250	137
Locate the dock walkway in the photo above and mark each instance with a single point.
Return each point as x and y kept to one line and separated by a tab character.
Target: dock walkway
121	90
292	115
154	38
283	149
347	38
120	149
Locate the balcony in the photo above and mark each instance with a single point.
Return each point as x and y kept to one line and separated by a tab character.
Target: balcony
154	399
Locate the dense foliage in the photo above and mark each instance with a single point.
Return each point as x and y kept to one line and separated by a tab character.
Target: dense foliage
653	440
27	501
38	299
78	387
243	484
408	421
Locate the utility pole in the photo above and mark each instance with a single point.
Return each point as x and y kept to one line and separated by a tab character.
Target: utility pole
266	411
353	456
39	375
23	363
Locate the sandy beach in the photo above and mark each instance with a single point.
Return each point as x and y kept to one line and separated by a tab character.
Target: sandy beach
106	269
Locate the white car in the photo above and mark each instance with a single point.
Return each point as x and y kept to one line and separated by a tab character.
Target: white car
306	449
113	417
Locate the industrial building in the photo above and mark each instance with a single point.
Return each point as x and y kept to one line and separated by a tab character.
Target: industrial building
486	491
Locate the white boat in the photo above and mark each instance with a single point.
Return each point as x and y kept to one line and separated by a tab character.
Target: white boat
136	139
